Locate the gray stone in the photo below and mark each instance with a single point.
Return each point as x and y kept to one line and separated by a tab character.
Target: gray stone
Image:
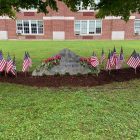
69	63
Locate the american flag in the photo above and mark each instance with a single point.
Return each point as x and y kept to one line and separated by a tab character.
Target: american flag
133	61
30	60
9	64
94	60
13	70
114	57
108	65
120	60
139	59
2	62
102	57
26	63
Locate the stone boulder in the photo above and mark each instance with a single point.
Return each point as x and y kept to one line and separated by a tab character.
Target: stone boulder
69	64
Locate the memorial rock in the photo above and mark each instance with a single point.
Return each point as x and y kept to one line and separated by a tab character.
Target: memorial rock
69	64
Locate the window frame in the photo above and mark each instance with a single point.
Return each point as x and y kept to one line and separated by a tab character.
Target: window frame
30	28
135	31
88	34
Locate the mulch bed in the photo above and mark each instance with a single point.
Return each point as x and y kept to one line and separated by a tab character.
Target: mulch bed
73	81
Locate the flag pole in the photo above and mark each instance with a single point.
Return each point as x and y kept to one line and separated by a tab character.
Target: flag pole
5	74
28	70
25	73
16	75
135	70
109	72
104	64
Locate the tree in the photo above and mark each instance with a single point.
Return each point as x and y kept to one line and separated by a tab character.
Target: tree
10	7
123	8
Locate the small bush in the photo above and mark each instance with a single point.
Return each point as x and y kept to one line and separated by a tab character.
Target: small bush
57	74
78	74
67	73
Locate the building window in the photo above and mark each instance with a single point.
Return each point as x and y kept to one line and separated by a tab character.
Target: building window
90	7
88	27
137	27
29	27
26	29
91	27
33	27
84	27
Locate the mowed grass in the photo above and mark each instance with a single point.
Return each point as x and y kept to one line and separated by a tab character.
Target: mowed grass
40	50
110	112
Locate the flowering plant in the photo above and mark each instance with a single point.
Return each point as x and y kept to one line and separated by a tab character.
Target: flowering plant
52	61
86	62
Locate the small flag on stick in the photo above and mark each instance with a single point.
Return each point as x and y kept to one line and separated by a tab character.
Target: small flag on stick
115	57
102	57
94	60
29	58
11	66
112	59
108	65
26	63
139	60
2	62
13	70
133	61
120	60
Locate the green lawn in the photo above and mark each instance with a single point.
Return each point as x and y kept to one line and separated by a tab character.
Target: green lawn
40	50
109	112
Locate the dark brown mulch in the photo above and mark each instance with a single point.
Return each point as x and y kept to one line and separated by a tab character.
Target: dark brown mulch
73	81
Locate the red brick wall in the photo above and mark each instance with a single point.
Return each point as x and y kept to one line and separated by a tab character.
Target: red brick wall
11	26
3	25
68	25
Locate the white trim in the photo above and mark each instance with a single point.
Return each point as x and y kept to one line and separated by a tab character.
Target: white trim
112	17
118	35
132	17
4	17
3	35
85	11
32	34
119	17
89	35
29	10
58	35
58	18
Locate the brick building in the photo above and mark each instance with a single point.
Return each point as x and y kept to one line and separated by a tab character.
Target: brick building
68	25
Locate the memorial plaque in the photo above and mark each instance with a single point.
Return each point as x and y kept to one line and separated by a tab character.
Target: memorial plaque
69	63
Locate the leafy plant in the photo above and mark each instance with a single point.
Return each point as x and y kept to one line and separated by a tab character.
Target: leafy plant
57	74
79	74
52	61
86	62
67	73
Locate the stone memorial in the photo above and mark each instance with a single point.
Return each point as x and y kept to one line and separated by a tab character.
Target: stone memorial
69	64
